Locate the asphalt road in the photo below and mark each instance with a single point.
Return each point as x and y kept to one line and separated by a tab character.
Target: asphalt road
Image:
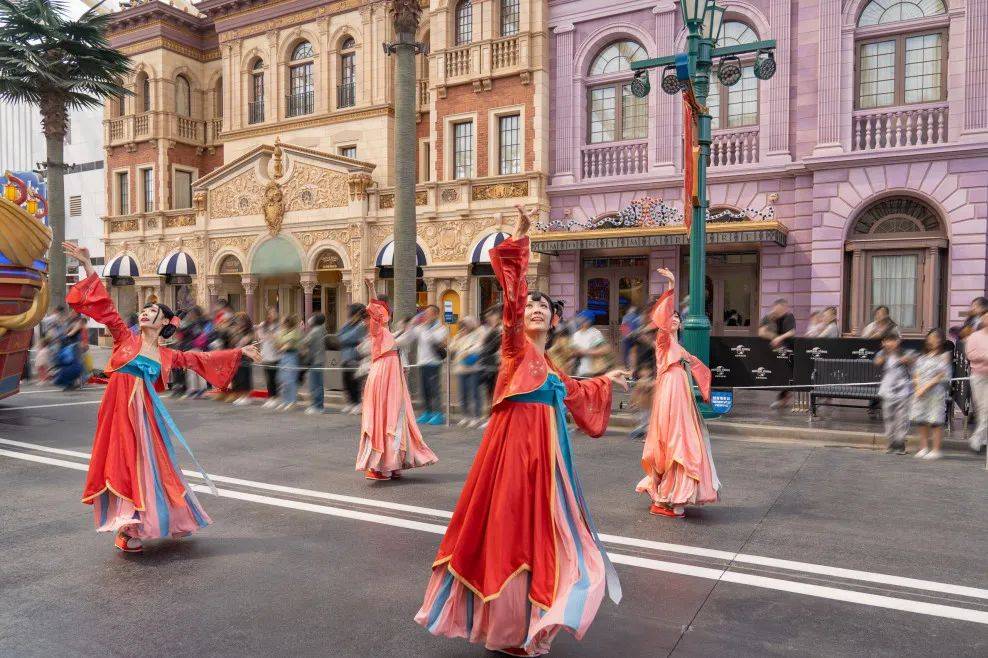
814	550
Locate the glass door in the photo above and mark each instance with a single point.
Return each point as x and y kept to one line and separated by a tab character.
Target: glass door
611	287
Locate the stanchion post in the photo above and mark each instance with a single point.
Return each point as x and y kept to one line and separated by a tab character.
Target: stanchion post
449	387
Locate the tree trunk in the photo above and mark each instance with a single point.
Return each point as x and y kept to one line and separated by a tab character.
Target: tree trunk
55	147
405	262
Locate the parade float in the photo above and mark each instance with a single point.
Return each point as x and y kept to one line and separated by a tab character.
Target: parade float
24	292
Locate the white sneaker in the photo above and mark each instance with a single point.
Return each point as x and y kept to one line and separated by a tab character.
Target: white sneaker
922	453
288	406
355	411
933	454
270	403
778	404
346	408
312	411
463	422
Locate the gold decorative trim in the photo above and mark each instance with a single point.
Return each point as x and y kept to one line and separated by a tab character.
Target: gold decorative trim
387	201
163	43
500	191
298	124
175	221
285	20
678	229
123	225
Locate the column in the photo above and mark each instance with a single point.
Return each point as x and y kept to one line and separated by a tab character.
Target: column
213	286
829	84
249	282
430	290
776	140
308	285
975	57
566	146
666	108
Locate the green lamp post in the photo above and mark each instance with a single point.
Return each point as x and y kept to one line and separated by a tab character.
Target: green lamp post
703	20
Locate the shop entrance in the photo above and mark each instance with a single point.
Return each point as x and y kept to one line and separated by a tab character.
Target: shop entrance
731	294
611	286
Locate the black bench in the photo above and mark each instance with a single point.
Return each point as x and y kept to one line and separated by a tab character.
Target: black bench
832	376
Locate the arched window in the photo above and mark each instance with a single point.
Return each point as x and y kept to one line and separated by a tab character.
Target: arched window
183	96
218	98
613	112
894	258
510	17
463	22
117	107
143	89
903	68
255	106
738	106
346	91
301	88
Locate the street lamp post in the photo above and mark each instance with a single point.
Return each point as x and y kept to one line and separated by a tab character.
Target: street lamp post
691	70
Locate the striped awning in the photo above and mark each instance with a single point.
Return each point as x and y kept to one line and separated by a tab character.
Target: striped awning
482	252
386	257
178	263
122	265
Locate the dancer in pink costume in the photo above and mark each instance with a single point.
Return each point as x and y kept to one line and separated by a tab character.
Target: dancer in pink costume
390	440
679	469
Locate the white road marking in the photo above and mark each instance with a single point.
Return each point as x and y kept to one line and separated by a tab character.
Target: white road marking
727	556
48	406
777	584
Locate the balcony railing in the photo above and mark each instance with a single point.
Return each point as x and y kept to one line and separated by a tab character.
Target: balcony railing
619	159
215	128
118	128
423	94
299	104
346	95
458	62
255	111
142	125
504	53
734	147
899	128
188	129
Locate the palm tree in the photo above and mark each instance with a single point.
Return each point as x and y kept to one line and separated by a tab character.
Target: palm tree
57	64
405	16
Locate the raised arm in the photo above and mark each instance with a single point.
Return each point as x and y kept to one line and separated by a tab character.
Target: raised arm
510	262
382	341
90	298
665	307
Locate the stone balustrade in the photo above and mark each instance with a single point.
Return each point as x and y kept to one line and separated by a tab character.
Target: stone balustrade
900	127
615	159
734	147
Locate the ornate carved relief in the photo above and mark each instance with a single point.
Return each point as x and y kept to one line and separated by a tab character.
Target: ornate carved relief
240	242
359	182
151	223
500	191
388	200
238	197
449	195
315	187
448	241
122	225
274	207
175	221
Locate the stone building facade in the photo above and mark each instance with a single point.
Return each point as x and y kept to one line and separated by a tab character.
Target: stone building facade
855	177
255	159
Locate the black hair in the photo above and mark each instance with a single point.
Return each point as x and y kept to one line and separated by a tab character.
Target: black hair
168	330
980	301
943	341
880	307
356	310
318	319
891	334
496	309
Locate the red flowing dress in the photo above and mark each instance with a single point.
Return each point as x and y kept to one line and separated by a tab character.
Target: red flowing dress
390	440
134	480
679	469
521	558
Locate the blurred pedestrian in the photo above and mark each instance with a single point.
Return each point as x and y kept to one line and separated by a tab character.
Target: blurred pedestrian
895	390
589	347
198	333
490	354
560	348
630	323
972	322
881	323
314	347
823	324
464	351
43	360
267	333
288	342
931	382
430	336
241	335
778	326
976	350
350	336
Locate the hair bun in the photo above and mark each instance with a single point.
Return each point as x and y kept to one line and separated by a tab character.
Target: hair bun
167	331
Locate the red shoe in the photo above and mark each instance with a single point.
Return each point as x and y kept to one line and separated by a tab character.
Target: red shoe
661	510
128	544
371	474
396	475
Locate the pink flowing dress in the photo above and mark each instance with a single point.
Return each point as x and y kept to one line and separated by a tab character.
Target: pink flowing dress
389	438
677	462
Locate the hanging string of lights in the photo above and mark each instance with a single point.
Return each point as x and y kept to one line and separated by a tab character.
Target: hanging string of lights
651	212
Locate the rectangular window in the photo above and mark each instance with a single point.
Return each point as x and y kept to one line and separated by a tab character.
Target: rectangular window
123	194
255	109
742	100
713	103
349	152
922	82
634	115
424	174
602	114
301	99
894	283
463	149
876	86
75	205
510	15
509	135
147	190
183	189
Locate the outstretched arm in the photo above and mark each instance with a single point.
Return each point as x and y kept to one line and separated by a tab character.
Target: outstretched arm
589	400
217	367
90	298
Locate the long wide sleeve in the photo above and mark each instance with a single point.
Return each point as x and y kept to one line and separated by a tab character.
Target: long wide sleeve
90	298
217	368
589	400
382	340
510	262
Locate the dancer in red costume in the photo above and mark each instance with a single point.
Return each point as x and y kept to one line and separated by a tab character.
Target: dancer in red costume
521	557
135	484
389	437
679	469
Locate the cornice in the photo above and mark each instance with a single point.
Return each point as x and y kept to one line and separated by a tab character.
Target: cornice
306	122
163	43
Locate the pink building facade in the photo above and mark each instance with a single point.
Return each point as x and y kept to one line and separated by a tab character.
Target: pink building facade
856	177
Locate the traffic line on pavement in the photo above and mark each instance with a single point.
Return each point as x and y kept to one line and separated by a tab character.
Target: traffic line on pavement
724	575
48	406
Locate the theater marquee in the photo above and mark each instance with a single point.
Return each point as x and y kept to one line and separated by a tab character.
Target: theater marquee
722	233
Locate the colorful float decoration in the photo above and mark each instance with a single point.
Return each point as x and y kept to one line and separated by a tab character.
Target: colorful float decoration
24	292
